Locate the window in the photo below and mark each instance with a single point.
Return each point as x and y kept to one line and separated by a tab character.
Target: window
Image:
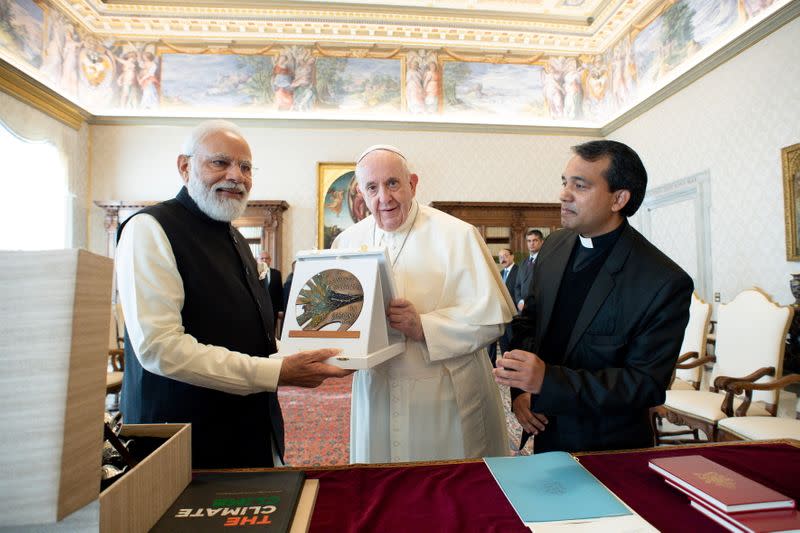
34	209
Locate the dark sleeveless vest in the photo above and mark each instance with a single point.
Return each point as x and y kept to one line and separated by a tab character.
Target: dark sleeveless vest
225	305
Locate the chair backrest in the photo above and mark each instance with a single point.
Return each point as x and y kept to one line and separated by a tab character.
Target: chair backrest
116	331
694	337
751	334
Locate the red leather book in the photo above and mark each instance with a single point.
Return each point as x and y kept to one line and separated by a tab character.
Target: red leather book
769	521
718	486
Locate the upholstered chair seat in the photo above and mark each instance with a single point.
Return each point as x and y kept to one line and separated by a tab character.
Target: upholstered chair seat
760	427
744	426
750	339
706	405
679	384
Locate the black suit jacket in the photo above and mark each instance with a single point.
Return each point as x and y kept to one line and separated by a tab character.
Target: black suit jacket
511	280
522	284
275	290
622	349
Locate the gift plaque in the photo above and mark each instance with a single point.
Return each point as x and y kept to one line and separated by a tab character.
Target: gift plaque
338	299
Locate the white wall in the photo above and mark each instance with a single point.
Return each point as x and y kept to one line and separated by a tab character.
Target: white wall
34	125
139	163
733	123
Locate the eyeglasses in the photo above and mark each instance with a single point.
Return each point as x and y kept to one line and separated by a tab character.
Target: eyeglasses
223	162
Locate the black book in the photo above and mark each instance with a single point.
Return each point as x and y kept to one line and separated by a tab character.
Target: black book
217	502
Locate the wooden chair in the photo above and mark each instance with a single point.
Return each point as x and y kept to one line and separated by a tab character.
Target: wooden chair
749	346
688	372
116	354
116	362
739	426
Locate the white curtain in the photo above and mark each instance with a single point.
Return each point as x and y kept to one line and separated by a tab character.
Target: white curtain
35	205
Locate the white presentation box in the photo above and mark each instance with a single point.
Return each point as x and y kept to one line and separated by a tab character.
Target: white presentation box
339	299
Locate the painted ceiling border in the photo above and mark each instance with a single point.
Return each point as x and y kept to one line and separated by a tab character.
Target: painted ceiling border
747	39
27	89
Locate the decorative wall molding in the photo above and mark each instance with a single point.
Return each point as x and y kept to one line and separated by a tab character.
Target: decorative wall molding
26	89
336	124
697	190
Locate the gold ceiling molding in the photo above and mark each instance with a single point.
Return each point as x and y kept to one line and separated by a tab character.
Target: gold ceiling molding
273	122
355	11
26	89
539	11
217	50
361	23
372	52
504	59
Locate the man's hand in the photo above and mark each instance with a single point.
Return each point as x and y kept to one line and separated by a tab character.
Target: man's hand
404	318
306	369
520	305
531	422
522	370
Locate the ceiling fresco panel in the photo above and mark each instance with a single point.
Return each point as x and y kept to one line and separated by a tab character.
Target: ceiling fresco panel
21	27
242	69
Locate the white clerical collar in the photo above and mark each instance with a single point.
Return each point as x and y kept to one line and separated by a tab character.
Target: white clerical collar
586	242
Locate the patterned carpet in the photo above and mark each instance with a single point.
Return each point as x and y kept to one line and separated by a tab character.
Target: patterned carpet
317	423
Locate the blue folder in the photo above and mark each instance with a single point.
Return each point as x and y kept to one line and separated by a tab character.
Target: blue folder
553	486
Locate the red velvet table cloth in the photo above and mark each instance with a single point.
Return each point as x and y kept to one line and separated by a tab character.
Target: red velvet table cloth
463	497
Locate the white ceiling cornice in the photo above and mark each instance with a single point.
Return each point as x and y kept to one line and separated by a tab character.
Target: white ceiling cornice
250	22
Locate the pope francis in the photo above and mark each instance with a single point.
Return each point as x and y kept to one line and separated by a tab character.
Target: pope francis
437	400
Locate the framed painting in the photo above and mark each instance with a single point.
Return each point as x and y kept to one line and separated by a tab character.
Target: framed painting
339	202
791	197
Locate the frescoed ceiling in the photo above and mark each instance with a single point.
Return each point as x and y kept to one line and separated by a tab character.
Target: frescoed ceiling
548	63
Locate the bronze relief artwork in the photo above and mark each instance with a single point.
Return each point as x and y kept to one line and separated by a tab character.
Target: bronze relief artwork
332	296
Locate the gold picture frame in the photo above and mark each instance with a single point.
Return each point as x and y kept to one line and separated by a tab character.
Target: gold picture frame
791	197
339	202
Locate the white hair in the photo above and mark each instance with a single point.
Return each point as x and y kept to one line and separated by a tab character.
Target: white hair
383	148
206	128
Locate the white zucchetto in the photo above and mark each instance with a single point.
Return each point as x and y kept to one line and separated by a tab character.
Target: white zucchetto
376	147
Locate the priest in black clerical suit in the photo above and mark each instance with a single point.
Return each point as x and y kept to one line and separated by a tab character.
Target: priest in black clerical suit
598	339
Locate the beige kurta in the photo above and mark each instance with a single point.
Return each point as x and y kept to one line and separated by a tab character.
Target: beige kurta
437	400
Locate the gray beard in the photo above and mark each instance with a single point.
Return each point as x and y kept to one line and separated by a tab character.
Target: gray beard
222	209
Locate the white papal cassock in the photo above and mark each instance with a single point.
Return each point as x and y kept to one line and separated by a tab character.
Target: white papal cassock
438	399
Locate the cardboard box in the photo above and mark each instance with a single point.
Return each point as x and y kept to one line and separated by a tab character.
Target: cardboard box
54	331
136	501
54	320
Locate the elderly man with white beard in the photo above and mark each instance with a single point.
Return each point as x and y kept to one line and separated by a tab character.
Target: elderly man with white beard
437	399
199	328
